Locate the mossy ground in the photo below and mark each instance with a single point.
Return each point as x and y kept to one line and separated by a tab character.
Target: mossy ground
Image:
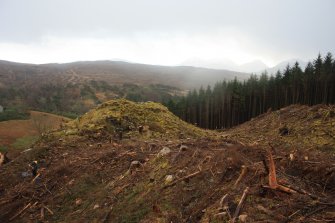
122	114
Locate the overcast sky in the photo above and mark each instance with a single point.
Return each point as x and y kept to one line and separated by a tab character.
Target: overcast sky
166	32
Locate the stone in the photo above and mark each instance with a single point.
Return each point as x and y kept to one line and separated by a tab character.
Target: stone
164	151
135	164
183	148
169	179
243	218
79	201
96	206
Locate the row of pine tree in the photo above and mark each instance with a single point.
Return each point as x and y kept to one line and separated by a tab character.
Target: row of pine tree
230	103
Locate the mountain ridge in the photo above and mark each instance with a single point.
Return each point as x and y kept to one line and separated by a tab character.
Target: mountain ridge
116	72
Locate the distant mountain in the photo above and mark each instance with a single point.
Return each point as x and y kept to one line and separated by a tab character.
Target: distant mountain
113	72
253	66
73	88
250	67
256	66
282	66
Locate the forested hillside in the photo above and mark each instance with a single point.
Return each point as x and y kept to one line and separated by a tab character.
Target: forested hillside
72	89
230	103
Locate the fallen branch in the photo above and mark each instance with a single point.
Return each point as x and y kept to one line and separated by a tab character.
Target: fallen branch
106	217
182	179
224	205
48	209
35	178
244	170
20	212
42	213
292	215
313	212
223	201
239	206
272	214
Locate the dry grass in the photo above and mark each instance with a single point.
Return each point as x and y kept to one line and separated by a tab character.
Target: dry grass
12	130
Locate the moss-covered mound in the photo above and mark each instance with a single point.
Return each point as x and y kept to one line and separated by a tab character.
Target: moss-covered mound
146	119
292	126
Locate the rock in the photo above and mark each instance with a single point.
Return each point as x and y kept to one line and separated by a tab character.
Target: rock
291	156
96	206
26	174
183	148
243	218
283	131
164	151
71	182
79	201
169	179
135	164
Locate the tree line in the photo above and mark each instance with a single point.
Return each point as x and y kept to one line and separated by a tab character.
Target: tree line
230	103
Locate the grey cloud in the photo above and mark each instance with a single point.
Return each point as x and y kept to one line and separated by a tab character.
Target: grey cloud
301	26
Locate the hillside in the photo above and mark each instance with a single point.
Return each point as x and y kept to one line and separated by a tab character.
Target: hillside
88	174
306	127
18	134
74	88
113	73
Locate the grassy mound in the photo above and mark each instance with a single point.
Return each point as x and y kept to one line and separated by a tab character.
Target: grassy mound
126	116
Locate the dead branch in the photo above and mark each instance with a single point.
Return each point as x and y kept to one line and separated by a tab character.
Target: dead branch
292	215
35	178
48	209
182	179
313	212
223	200
20	212
273	215
244	170
239	206
106	217
2	159
224	205
273	184
42	213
